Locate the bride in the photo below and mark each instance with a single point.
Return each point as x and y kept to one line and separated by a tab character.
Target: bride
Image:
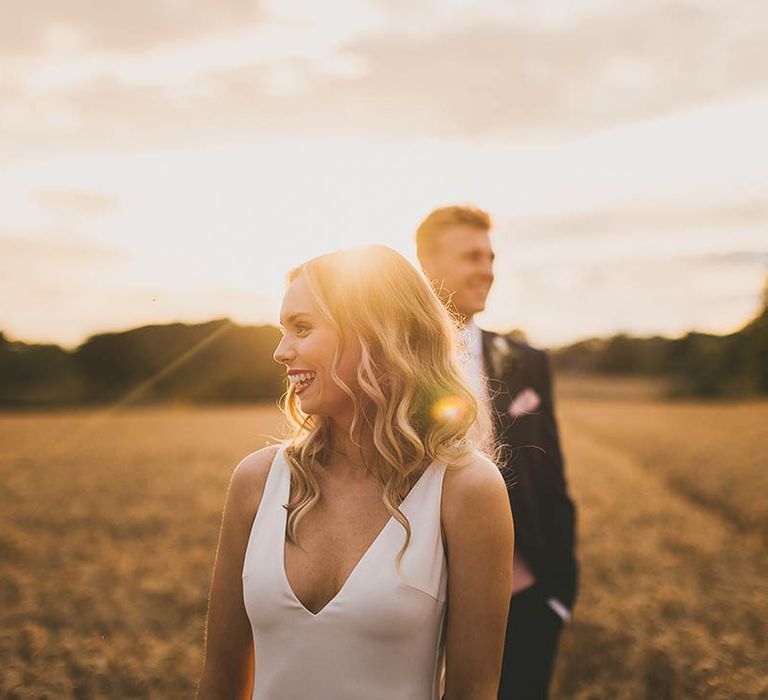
369	557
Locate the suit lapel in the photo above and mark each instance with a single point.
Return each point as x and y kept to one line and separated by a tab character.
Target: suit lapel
504	384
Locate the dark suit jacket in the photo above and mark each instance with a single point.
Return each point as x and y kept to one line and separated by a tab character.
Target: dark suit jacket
532	464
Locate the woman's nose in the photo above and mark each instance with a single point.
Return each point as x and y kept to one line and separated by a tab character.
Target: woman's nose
282	352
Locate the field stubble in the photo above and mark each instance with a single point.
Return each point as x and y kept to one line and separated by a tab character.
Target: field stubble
108	538
672	548
109	525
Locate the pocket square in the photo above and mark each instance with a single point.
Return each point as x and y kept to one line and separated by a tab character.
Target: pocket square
527	401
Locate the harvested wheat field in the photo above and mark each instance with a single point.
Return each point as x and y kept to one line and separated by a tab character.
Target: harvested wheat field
108	524
671	531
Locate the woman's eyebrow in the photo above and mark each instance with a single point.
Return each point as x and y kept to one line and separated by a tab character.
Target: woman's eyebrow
293	317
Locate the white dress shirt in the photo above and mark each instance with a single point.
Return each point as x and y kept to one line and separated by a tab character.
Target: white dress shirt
472	339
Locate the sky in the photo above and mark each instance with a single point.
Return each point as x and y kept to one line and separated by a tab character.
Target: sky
164	161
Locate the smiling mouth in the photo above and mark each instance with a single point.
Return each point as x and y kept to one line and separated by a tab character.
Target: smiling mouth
301	381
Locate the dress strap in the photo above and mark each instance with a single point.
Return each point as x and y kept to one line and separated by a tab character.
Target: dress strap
424	565
268	524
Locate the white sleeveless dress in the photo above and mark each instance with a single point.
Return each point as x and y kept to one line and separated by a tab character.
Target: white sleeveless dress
380	638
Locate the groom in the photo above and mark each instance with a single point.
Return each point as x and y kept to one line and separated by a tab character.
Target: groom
513	379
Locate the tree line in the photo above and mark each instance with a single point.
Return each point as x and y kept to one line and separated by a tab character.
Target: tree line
698	364
218	361
221	361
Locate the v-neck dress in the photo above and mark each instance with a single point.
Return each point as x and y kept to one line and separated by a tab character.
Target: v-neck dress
381	637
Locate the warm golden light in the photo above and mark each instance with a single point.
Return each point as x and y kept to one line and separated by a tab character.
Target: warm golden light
449	409
306	131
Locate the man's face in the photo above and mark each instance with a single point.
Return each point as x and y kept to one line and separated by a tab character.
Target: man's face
462	267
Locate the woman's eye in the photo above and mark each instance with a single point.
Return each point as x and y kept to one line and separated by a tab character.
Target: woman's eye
301	329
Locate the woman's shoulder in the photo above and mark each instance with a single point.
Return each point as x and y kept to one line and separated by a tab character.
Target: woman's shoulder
246	487
474	485
475	513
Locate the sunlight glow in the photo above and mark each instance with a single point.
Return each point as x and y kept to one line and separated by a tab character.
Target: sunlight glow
448	410
180	177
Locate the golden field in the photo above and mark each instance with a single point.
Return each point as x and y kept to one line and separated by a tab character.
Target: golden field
673	552
108	525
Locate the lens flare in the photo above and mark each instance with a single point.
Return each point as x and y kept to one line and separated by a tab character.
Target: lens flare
448	410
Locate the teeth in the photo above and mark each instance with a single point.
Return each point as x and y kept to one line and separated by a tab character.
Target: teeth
301	377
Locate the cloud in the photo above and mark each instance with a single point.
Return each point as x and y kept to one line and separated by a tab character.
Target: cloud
52	263
17	250
516	76
559	301
736	258
32	29
659	218
658	269
77	203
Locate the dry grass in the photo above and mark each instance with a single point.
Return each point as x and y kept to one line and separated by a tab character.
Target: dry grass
108	527
712	453
107	543
673	596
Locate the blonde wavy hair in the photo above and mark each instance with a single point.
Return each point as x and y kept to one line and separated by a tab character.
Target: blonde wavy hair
412	403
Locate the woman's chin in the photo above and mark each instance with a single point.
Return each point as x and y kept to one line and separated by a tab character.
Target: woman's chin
307	405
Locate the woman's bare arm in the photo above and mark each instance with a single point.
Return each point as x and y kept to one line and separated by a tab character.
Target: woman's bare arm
228	667
479	537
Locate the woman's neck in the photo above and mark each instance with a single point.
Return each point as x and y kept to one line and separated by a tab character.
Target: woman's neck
348	457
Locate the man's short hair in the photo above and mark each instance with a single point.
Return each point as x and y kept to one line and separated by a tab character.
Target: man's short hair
429	231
